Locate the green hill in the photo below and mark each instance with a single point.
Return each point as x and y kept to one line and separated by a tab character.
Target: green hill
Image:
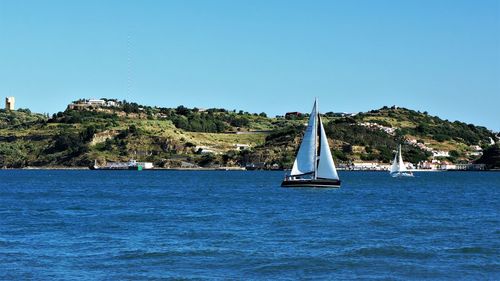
170	136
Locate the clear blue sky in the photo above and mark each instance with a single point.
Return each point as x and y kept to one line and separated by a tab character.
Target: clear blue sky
273	56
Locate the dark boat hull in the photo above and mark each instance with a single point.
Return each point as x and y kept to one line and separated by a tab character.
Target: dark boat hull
318	183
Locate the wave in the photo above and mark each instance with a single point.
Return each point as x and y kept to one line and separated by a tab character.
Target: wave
390	251
472	250
140	254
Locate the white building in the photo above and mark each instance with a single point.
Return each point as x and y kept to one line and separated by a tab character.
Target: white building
387	130
476	148
146	165
436	153
428	165
372	166
447	166
204	150
112	103
411	141
96	102
240	146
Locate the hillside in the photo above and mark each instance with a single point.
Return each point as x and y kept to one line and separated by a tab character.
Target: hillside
172	137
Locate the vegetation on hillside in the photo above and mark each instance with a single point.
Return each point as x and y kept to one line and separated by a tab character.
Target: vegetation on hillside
424	125
172	137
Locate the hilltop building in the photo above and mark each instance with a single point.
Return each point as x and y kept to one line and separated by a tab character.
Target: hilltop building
10	103
96	103
295	114
93	103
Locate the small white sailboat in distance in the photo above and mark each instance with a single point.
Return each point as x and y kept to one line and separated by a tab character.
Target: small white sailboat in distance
313	166
398	168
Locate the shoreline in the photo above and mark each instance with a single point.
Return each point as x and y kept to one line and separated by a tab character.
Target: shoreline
63	168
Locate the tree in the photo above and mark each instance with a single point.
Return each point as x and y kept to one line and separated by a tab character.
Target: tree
133	130
455	154
240	122
71	143
206	159
347	148
189	144
182	110
25	110
88	133
491	157
108	145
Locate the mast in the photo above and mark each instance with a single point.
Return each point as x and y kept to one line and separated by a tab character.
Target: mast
316	119
400	158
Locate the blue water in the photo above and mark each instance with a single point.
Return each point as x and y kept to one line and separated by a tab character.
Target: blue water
129	225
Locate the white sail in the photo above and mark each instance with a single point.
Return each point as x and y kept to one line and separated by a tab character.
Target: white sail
398	165
304	162
395	165
402	167
326	167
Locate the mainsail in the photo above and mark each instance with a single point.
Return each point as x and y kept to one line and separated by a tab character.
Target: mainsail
326	167
395	164
304	163
402	167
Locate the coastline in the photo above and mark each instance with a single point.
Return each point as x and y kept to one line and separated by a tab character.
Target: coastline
65	168
49	168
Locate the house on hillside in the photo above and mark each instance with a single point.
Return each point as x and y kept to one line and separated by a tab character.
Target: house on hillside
375	126
476	150
240	146
204	150
436	153
187	165
294	114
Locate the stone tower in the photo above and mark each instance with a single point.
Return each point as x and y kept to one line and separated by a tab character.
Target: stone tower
9	103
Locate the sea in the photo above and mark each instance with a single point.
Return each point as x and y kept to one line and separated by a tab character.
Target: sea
241	225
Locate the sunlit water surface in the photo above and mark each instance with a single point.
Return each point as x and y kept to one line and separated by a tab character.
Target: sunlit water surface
129	225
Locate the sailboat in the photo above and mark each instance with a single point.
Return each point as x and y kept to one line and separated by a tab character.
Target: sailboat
398	168
313	166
